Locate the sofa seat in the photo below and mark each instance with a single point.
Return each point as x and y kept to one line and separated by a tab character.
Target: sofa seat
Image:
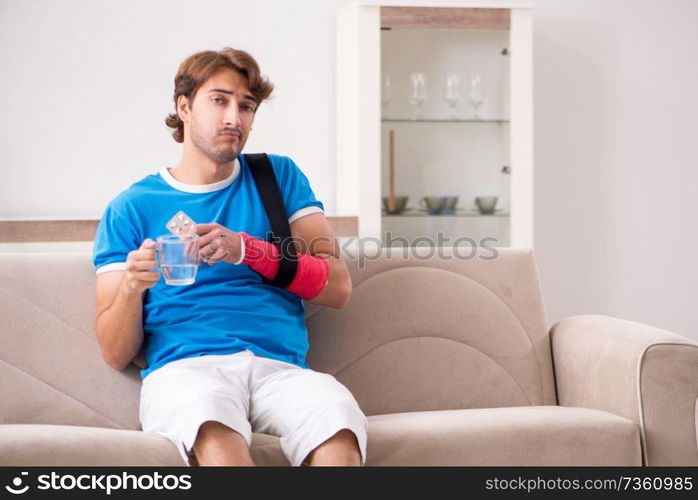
526	436
511	436
69	445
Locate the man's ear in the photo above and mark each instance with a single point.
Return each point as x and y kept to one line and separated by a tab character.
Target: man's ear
183	108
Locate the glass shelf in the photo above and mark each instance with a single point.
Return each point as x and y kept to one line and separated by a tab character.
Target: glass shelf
458	213
442	120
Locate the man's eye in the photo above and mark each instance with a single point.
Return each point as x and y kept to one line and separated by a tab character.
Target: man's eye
218	99
248	107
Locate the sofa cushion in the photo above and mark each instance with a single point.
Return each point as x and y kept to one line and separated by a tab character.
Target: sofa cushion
512	436
529	436
55	445
68	445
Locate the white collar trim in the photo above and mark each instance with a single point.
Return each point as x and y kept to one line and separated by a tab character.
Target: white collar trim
200	188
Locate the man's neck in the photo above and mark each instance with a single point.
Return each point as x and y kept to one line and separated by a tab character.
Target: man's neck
200	169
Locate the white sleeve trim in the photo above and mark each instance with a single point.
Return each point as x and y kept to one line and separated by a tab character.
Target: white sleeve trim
114	266
242	251
312	209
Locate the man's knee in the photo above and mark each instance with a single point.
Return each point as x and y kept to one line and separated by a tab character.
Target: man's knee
213	428
343	445
218	444
345	437
214	433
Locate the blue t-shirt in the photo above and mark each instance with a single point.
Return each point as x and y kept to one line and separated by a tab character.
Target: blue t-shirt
228	308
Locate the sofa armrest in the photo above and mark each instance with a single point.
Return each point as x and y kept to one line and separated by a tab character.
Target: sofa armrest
643	373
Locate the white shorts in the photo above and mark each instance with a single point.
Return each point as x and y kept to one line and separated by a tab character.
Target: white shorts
249	393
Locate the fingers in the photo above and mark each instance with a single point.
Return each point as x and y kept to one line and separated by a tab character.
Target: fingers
145	254
202	229
209	232
147	243
209	253
216	252
191	249
143	259
211	241
209	237
146	276
141	265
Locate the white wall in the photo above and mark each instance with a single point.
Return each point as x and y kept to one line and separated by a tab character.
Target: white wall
615	156
85	87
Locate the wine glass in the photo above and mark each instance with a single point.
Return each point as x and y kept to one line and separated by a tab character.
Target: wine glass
419	92
477	94
452	95
387	93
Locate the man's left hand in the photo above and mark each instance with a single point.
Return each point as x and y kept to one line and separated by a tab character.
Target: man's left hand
217	244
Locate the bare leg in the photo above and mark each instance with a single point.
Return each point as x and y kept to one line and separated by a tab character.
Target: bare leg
218	444
342	449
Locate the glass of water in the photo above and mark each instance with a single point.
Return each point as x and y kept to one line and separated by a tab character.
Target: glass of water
178	256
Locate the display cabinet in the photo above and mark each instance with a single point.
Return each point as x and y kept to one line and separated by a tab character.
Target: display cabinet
434	123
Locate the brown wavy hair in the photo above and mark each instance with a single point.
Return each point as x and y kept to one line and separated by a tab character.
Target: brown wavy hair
198	68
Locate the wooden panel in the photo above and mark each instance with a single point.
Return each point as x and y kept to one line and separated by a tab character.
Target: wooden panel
445	18
47	230
84	230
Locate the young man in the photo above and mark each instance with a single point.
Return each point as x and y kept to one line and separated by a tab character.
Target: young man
226	355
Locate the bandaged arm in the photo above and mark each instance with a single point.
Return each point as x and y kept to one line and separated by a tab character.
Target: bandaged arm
263	257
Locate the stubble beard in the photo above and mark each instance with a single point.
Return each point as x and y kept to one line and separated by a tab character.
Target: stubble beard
220	154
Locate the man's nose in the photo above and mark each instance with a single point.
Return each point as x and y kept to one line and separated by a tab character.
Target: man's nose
232	115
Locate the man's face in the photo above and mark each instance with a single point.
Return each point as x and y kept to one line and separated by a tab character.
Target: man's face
221	116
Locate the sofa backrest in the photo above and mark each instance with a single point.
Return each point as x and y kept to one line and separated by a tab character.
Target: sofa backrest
420	333
51	368
438	328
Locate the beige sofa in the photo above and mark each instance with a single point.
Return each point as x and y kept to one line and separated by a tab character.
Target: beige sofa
450	358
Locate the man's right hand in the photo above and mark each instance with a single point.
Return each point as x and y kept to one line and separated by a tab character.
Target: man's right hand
139	264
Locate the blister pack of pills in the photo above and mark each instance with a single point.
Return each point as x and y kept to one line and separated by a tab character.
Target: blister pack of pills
180	223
